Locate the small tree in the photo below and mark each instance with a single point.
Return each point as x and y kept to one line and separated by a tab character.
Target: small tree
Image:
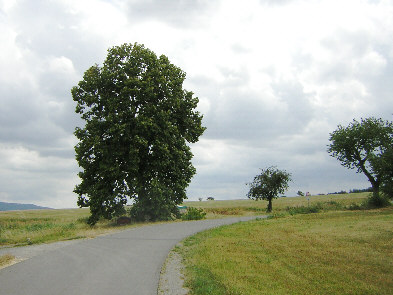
366	146
210	199
300	193
268	185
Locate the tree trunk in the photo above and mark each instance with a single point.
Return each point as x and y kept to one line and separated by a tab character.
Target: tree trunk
375	190
375	182
269	206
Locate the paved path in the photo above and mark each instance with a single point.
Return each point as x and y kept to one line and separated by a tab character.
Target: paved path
126	263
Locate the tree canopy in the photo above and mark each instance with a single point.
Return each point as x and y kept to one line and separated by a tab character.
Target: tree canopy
268	184
366	146
138	123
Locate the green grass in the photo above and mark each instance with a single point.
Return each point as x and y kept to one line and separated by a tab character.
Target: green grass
335	252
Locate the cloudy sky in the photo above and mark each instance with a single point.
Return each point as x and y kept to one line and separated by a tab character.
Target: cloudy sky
274	78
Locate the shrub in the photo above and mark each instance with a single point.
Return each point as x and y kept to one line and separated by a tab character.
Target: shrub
377	202
193	214
355	206
334	205
371	203
304	210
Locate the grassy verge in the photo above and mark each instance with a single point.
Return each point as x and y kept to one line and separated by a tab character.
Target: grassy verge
18	228
342	252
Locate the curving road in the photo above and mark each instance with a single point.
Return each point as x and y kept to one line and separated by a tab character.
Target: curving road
128	262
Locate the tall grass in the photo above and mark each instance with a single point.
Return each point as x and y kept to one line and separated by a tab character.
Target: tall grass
19	228
343	252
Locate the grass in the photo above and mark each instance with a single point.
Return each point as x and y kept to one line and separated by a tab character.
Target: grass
334	252
6	260
19	228
217	209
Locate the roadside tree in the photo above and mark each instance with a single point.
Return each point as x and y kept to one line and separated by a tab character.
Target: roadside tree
134	145
267	185
366	146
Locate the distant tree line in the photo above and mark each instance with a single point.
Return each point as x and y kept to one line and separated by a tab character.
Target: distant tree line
368	190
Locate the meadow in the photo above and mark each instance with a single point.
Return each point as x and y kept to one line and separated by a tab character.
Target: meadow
331	252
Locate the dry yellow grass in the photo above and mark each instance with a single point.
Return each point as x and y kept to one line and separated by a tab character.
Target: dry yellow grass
41	226
6	260
219	208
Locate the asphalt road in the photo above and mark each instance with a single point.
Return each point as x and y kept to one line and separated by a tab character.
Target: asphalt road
126	263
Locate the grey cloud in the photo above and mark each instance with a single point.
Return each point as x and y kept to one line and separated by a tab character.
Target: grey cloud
276	2
250	117
179	13
27	120
48	28
17	106
240	49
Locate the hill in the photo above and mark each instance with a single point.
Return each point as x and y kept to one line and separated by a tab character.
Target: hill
15	206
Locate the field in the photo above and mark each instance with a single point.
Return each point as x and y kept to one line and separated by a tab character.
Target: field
335	251
18	228
217	208
332	252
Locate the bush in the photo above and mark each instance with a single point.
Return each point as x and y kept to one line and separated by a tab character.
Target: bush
304	210
193	214
355	206
377	202
371	203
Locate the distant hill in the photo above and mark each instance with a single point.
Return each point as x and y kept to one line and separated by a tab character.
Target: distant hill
15	206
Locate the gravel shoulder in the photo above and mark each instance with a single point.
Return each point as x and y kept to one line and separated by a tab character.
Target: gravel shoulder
171	277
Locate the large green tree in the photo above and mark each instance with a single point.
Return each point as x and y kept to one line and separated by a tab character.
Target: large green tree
366	146
139	122
267	185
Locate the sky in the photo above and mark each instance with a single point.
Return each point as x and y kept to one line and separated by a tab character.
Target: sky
274	79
